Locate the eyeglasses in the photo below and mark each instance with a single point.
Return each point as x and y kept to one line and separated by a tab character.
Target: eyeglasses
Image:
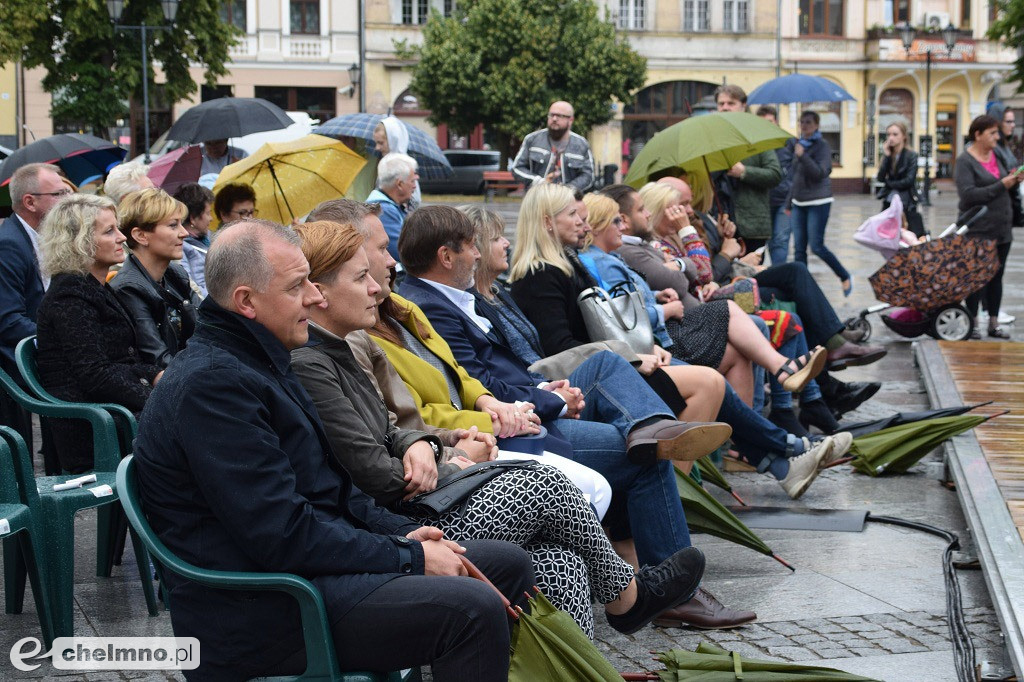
61	193
250	213
554	115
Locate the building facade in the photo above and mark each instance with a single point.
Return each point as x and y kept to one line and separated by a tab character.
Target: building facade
329	57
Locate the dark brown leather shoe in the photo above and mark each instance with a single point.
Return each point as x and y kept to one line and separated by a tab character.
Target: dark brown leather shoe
671	439
704	612
852	355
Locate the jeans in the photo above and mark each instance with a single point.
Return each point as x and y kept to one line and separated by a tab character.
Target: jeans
809	224
793	282
782	228
655	513
615	393
795	347
759	371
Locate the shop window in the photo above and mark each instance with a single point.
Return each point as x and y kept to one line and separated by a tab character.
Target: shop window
319	103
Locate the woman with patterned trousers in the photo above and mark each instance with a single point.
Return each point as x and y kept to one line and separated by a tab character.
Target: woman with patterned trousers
536	507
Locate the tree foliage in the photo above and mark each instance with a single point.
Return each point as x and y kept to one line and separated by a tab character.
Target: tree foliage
93	67
1009	29
502	63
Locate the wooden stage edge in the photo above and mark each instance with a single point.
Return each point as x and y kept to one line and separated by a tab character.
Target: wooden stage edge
987	464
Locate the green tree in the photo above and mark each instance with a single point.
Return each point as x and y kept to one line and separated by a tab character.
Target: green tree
502	62
94	68
1009	28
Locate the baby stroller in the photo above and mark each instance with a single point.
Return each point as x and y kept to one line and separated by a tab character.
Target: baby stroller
924	284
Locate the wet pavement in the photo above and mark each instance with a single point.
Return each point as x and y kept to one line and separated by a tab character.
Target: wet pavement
870	602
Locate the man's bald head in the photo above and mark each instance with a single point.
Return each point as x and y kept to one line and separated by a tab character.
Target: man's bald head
560	118
677	184
238	257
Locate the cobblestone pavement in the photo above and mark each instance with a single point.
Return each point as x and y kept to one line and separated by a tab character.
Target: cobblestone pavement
871	602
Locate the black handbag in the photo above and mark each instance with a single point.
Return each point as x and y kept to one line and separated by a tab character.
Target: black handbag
453	490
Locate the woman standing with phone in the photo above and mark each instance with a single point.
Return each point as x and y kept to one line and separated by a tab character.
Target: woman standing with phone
982	179
898	175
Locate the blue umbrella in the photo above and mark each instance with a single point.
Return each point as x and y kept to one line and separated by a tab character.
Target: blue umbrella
432	162
798	87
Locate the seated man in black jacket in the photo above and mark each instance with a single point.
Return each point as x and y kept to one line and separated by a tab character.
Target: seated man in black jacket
235	473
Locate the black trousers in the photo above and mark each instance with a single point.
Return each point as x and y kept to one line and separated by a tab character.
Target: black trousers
457	626
992	294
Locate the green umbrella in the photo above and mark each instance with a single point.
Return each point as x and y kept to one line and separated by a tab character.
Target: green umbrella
705	514
898	448
711	664
547	644
703	144
707	471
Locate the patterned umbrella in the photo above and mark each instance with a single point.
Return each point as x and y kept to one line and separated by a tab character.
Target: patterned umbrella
432	163
943	271
83	158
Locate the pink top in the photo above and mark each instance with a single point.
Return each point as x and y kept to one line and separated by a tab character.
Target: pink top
991	166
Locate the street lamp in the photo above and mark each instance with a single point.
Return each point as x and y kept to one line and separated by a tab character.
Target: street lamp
354	75
170	8
907	34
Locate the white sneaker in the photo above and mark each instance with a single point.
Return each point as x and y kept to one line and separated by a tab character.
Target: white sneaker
1005	319
804	468
842	441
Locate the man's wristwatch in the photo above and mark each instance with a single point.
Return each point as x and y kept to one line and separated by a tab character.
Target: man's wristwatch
438	450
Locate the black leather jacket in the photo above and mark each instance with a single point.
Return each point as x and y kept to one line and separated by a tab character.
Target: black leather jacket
165	316
899	176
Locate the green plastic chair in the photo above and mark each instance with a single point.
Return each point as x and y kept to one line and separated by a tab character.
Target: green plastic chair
111	524
321	659
20	512
59	509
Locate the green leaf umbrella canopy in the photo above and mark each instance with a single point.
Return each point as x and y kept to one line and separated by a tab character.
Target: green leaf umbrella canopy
705	514
704	144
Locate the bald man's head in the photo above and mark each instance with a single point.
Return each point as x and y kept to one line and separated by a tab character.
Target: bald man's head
238	257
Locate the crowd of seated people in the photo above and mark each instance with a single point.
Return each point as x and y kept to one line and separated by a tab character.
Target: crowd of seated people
349	400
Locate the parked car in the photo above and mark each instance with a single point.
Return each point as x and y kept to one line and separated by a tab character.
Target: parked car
468	177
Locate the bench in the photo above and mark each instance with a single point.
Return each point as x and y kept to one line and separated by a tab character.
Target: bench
503	180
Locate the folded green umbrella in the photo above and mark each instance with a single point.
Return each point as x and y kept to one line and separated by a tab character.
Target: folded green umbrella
711	664
897	448
864	428
705	514
547	644
707	471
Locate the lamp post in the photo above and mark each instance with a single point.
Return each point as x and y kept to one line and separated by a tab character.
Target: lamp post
907	35
170	9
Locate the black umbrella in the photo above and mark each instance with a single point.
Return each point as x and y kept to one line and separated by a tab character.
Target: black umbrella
864	428
83	158
228	117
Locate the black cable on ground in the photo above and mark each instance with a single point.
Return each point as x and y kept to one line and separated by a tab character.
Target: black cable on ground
963	646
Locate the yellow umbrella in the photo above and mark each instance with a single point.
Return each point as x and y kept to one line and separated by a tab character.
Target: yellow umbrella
291	178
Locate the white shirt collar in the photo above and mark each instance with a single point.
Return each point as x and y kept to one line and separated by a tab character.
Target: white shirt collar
33	237
464	301
630	239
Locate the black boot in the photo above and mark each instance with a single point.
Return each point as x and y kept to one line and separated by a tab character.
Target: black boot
817	414
786	420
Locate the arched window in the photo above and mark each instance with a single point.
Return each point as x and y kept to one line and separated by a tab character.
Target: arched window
658	106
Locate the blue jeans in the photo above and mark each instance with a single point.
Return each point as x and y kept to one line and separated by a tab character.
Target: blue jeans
652	504
795	347
615	393
793	282
782	228
809	224
759	372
